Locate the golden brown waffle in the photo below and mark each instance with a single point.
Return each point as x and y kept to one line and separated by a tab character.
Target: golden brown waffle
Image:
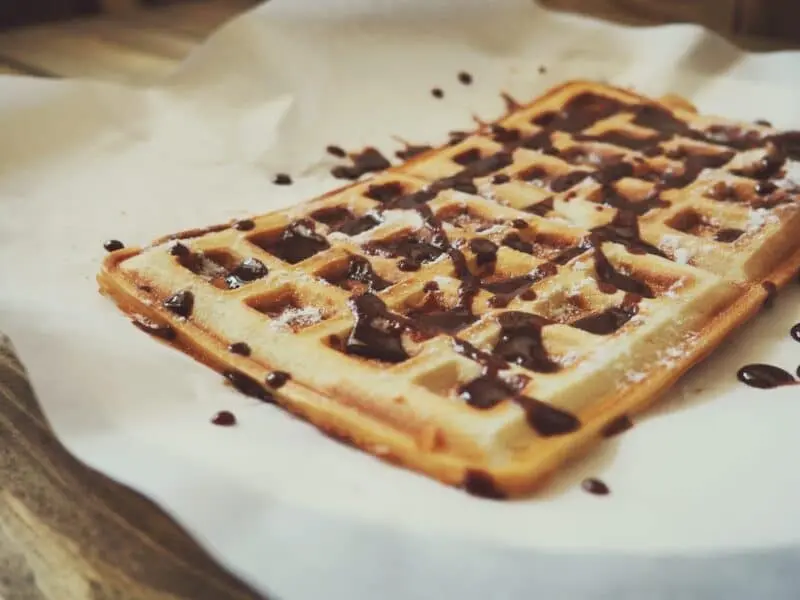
485	310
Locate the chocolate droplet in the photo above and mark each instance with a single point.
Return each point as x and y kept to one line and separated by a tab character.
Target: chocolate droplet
113	245
224	418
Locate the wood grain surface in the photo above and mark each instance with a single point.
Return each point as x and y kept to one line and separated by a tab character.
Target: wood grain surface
67	532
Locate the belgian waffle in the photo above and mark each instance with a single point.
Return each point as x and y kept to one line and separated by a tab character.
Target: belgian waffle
487	309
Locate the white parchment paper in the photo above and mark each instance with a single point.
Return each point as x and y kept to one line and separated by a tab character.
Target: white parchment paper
709	474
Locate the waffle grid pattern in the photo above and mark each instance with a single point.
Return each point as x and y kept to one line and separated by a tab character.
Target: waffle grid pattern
481	311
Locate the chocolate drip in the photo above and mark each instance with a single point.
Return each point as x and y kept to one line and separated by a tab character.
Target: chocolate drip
764	376
412	201
486	391
360	270
282	179
564	182
298	242
224	418
728	235
788	143
248	386
435	317
505	135
336	151
414	252
540	208
521	341
466	157
377	332
437	93
623	229
611	280
617	426
595	486
765	188
277	379
481	484
341	220
795	332
610	196
511	103
248	270
239	348
546	420
613	170
180	303
384	192
478	168
693	166
456	137
410	151
500	179
766	167
163	331
611	319
485	251
113	245
515	242
244	225
465	78
367	161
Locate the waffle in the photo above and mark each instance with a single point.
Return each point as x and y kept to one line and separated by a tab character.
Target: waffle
489	308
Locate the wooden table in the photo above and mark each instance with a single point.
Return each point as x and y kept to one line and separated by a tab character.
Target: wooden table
67	532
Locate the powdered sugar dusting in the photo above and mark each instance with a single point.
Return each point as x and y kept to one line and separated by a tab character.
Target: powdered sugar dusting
297	318
570	358
791	177
487	191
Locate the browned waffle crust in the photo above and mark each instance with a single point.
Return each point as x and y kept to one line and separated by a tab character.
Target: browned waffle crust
483	311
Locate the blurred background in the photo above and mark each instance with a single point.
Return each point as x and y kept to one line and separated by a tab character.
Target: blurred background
140	41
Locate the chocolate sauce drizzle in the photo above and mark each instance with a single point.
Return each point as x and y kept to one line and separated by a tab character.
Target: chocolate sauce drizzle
411	150
481	484
297	242
246	271
248	386
341	220
282	179
617	426
377	331
180	303
163	331
368	160
521	341
240	348
611	319
359	270
277	379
